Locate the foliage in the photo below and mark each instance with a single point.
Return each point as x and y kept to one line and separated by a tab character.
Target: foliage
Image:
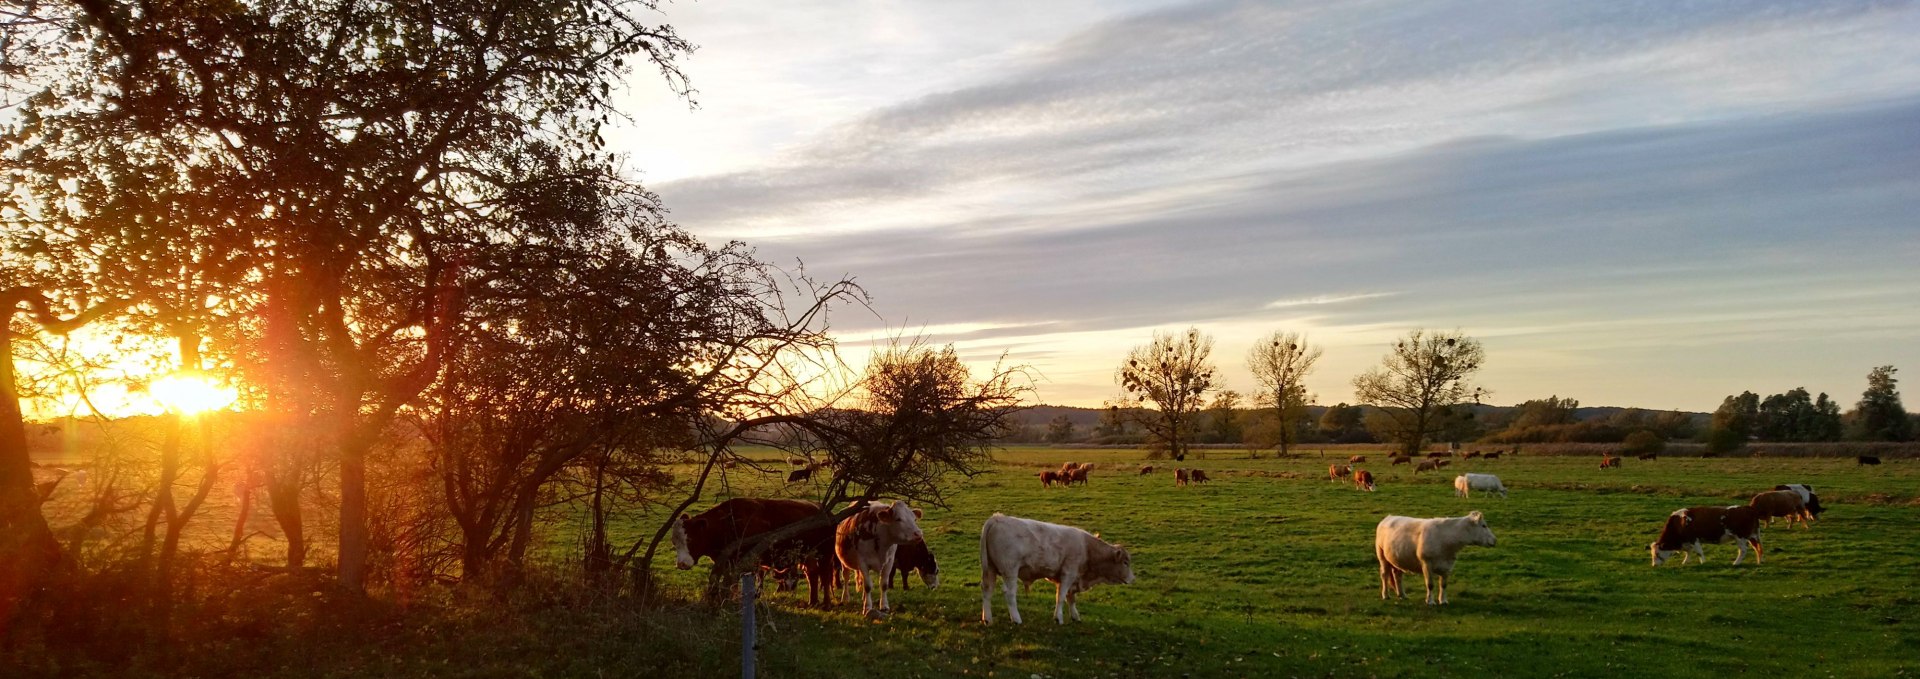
1879	416
1342	423
1174	374
1280	363
1060	429
1643	441
1733	422
1796	416
1417	381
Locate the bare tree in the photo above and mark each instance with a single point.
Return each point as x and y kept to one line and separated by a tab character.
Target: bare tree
1280	363
1174	374
1419	380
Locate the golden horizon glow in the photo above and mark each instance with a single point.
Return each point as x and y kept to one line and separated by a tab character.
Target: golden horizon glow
191	394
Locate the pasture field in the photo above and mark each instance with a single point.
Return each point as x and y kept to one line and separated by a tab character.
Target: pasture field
1268	571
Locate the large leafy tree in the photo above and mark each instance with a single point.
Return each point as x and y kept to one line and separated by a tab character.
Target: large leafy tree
1419	380
1880	416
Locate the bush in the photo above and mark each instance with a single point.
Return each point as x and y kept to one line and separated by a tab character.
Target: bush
1642	442
1724	441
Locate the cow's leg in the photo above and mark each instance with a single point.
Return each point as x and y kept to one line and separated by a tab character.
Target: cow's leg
1440	583
886	584
1384	578
1426	575
1013	599
1399	584
1060	590
866	589
1699	551
1756	552
1073	605
986	592
1740	550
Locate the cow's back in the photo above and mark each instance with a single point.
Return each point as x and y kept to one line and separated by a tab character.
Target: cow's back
1027	549
1397	538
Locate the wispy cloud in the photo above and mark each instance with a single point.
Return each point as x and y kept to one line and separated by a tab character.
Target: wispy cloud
1322	300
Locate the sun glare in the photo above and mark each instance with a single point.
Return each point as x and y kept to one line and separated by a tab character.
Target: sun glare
191	394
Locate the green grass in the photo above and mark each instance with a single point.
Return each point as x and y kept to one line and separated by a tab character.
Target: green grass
1268	571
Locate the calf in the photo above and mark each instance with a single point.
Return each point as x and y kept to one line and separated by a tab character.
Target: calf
1609	461
1066	468
911	558
1180	476
1689	528
1807	496
1146	469
1357	459
1404	544
1336	472
1363	480
1778	503
1199	475
1020	551
1868	459
866	543
1050	477
1465	484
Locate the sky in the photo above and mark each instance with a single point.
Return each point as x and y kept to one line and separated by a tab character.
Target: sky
1651	204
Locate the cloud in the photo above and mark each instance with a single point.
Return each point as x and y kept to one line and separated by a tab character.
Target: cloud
1320	300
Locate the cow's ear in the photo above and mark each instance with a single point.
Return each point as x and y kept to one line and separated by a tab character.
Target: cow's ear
1475	516
684	517
916	513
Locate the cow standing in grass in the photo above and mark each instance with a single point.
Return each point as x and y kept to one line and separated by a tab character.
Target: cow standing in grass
1336	472
867	541
1363	480
1405	544
1807	497
1465	484
1782	503
1688	528
1015	550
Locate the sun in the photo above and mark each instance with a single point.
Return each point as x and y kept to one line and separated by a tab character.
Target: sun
190	394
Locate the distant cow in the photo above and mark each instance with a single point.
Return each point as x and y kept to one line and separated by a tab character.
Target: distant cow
1363	480
1473	454
1465	484
1404	545
1609	461
914	557
799	475
1181	476
1869	459
1807	496
1066	468
1647	456
867	541
1781	503
1495	455
1441	463
1050	477
1401	459
798	462
1018	550
1436	456
1357	459
1080	474
1199	475
1146	469
1689	528
1426	466
1336	472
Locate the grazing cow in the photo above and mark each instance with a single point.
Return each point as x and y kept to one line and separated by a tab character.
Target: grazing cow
799	475
911	558
798	462
1181	476
1199	475
1807	496
1472	455
1050	477
1869	459
1777	503
1495	455
1336	472
1436	456
1357	459
1465	484
1426	466
1146	469
1647	456
866	543
1688	528
1080	474
1020	551
1066	468
1401	459
1441	463
1404	544
1363	480
709	534
1609	461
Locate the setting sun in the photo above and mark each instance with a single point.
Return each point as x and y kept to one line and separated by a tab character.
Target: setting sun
191	394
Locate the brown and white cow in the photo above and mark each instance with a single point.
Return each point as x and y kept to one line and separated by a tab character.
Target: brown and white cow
914	557
1017	551
1363	480
1689	528
866	543
1181	476
1609	461
1336	472
1404	544
710	533
1782	503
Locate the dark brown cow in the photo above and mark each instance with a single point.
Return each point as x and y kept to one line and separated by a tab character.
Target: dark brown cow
1689	528
1050	477
1868	459
1363	480
1495	455
1181	476
1199	475
1401	459
709	533
1782	503
914	557
1436	456
1146	469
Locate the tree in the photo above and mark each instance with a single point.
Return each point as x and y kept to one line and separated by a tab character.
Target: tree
1643	442
1342	423
1422	376
1280	363
1879	416
1733	422
1223	418
1797	416
1547	412
1060	429
352	154
1173	374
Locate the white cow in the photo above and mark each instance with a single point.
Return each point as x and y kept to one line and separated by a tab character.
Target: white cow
865	543
1465	484
1023	550
1404	544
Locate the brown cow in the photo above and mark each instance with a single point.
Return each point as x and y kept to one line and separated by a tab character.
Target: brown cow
1363	480
799	475
1436	456
1401	459
1426	466
1778	503
1080	474
1688	528
1609	461
1199	475
1146	469
1357	459
1336	472
1066	468
1181	477
1472	455
1050	477
1495	455
734	522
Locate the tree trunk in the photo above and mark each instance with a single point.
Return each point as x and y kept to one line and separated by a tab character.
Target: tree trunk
28	550
353	517
283	499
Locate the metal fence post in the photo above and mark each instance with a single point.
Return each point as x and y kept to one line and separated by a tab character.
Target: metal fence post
748	588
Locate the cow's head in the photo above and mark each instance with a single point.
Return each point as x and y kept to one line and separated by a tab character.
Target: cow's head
687	531
897	523
930	570
1813	502
1477	531
1676	522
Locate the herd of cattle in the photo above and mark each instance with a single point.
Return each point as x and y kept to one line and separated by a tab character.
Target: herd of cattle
883	539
